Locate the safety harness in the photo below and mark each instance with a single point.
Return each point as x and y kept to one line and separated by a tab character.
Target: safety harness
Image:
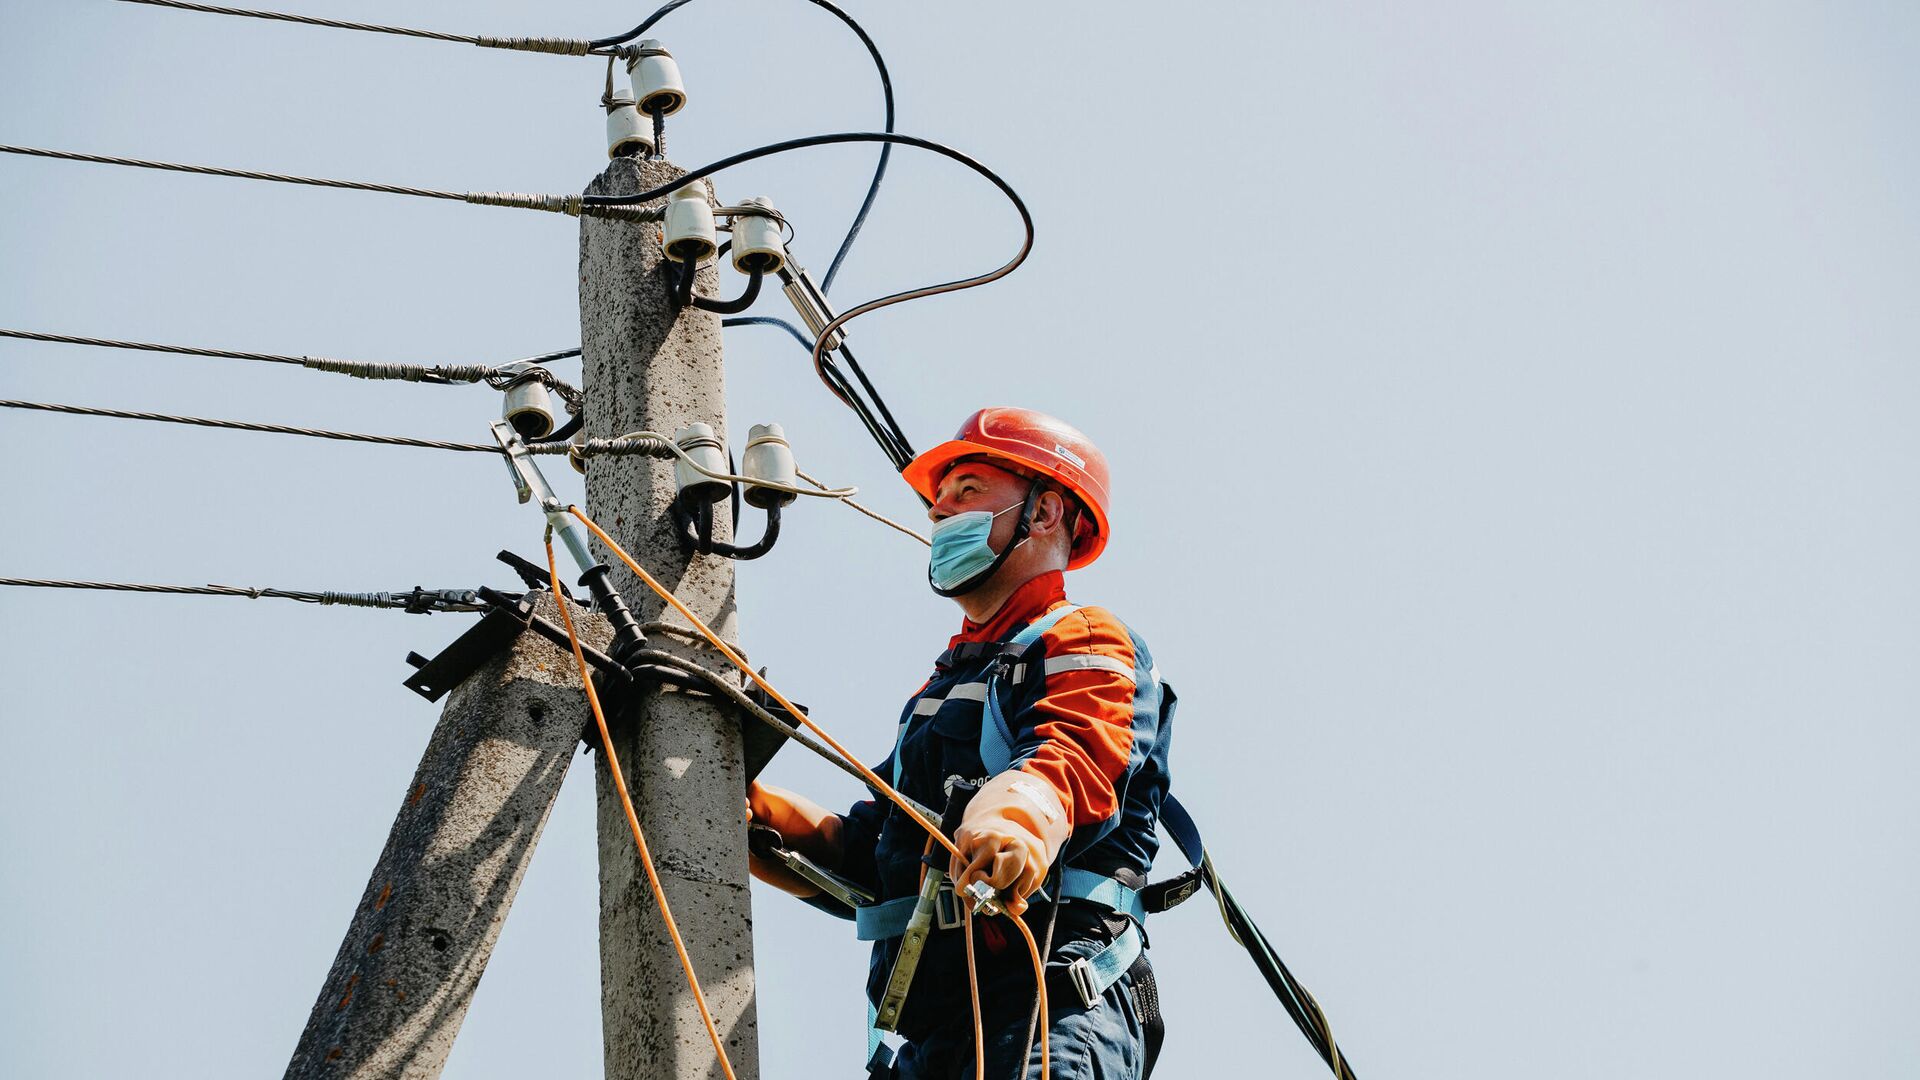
1090	976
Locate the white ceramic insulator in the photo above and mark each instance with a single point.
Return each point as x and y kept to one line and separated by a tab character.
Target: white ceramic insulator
627	130
769	458
757	244
529	408
656	80
703	446
689	234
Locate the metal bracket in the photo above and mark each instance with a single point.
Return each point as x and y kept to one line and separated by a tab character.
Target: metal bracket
527	480
496	631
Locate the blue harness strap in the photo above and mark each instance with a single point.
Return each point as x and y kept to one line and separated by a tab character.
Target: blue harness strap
996	738
1093	975
1179	825
1102	890
878	922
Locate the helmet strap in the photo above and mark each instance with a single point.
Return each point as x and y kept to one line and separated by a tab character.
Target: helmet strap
1021	530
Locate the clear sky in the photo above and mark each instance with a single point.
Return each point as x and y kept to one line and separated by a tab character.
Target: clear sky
1511	408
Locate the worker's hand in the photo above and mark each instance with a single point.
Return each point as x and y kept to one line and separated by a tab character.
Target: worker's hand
1009	836
803	825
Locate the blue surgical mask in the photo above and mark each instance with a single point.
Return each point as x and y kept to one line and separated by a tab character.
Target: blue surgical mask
961	551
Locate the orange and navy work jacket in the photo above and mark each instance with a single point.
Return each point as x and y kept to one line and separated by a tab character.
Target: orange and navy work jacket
1085	706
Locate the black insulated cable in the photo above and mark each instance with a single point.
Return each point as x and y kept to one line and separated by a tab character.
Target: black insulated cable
1300	1004
767	320
730	307
695	528
820	362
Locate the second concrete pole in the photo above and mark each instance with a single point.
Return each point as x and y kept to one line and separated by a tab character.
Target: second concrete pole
650	367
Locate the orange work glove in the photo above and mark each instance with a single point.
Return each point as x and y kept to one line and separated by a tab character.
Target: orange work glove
804	826
1009	836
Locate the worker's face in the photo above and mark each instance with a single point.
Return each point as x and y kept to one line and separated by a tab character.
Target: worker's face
974	485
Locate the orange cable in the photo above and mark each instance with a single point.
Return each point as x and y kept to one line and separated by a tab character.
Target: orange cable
973	994
707	632
1040	992
633	819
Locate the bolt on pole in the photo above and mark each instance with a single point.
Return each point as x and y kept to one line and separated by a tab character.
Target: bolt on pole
648	366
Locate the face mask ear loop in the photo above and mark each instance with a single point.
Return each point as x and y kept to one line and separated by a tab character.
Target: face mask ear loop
1021	530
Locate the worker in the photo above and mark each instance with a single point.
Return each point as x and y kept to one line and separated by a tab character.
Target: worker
1016	499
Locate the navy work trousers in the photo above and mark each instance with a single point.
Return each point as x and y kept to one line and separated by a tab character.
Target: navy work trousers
1106	1042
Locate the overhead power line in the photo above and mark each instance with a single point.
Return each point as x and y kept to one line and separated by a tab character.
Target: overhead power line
496	375
557	46
417	600
607	46
649	447
572	205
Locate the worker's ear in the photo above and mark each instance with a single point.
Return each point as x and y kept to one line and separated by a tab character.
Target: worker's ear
1049	512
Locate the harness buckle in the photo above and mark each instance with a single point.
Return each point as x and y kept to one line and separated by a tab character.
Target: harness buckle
1080	973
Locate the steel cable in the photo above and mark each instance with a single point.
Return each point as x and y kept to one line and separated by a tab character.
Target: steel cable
557	46
571	205
648	447
434	374
416	600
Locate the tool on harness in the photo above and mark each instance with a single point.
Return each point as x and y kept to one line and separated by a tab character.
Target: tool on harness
920	922
529	483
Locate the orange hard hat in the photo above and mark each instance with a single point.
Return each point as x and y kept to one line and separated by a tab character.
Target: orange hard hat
1032	444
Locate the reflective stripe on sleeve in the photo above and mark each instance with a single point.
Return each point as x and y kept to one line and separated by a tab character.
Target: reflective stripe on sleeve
1089	661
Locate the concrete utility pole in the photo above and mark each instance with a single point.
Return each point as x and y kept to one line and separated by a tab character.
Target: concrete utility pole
426	925
648	367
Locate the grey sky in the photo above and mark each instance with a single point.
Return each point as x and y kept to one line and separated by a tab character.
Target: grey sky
1511	409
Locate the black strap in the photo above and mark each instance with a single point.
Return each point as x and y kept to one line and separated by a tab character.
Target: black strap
1171	893
1146	1005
